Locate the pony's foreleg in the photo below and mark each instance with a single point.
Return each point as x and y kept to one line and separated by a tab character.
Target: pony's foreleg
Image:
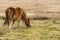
18	23
18	20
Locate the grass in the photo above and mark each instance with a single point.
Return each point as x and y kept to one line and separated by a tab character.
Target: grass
40	30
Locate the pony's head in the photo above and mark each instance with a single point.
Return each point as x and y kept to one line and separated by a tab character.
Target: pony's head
27	22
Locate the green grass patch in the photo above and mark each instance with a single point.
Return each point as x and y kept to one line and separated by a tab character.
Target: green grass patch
40	30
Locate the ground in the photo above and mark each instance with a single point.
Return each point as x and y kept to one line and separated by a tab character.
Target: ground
40	30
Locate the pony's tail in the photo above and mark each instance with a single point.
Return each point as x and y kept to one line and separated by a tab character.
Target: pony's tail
6	18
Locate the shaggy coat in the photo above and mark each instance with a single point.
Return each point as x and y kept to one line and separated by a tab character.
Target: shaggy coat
16	14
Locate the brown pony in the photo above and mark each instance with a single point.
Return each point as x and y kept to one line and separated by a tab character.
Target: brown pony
16	13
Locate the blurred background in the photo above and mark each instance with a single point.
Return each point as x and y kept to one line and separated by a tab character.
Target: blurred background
34	8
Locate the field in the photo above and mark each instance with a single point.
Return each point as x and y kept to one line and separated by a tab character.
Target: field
46	27
40	30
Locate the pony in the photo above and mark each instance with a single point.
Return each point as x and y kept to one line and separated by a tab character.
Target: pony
16	14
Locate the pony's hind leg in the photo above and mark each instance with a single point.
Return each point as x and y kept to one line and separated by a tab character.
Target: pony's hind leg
10	25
